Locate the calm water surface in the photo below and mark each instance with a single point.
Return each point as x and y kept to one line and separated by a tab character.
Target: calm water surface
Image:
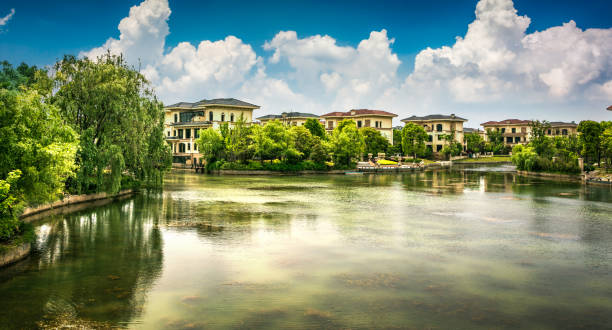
472	248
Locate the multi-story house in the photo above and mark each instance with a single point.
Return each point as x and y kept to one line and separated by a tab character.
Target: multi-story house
438	127
514	131
380	120
288	118
184	120
560	128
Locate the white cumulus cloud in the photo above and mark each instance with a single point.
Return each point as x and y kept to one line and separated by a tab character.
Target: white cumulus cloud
496	70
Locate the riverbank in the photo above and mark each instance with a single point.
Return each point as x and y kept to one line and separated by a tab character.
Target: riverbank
21	246
555	176
501	160
18	248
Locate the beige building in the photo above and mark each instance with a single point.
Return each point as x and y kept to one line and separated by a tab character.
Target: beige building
288	118
380	120
184	120
514	131
437	126
558	128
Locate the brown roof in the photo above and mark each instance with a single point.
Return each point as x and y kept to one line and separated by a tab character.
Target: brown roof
609	108
506	122
359	112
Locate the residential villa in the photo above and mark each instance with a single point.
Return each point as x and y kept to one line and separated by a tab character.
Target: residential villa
560	128
380	120
514	131
288	118
478	131
437	126
184	120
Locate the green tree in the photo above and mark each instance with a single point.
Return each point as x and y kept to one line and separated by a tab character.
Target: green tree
10	205
318	154
397	142
413	140
210	144
347	142
590	138
374	141
474	142
36	141
315	127
238	140
606	143
111	104
262	144
495	143
302	140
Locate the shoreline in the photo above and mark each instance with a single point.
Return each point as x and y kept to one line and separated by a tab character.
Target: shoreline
14	252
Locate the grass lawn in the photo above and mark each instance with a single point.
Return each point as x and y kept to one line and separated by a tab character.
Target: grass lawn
494	159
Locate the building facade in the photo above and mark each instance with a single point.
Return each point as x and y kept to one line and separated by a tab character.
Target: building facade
558	128
380	120
288	118
513	131
184	120
437	127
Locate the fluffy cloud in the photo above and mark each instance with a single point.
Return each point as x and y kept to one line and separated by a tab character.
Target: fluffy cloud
496	70
142	34
6	18
497	64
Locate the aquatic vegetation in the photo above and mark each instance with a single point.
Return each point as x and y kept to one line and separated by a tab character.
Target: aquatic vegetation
376	280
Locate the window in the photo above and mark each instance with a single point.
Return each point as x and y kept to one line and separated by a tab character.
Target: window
430	138
549	132
367	123
180	133
181	147
503	130
188	133
513	130
188	116
168	133
359	124
188	146
564	132
232	117
517	139
438	148
557	132
210	116
175	117
439	127
330	124
174	133
196	133
509	139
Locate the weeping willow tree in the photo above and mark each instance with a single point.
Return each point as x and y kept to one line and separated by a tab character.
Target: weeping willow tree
113	108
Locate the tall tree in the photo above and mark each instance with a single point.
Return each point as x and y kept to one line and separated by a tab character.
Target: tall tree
110	104
374	141
347	142
36	141
474	142
210	144
413	139
590	136
315	127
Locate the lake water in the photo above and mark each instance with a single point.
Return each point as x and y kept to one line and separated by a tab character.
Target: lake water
463	249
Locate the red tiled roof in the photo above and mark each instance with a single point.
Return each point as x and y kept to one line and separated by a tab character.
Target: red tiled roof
359	112
609	108
506	122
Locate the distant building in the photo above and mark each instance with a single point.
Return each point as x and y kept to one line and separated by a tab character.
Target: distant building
288	118
609	108
437	126
514	131
380	120
560	128
184	120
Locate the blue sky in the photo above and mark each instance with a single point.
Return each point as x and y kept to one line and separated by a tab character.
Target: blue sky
40	32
